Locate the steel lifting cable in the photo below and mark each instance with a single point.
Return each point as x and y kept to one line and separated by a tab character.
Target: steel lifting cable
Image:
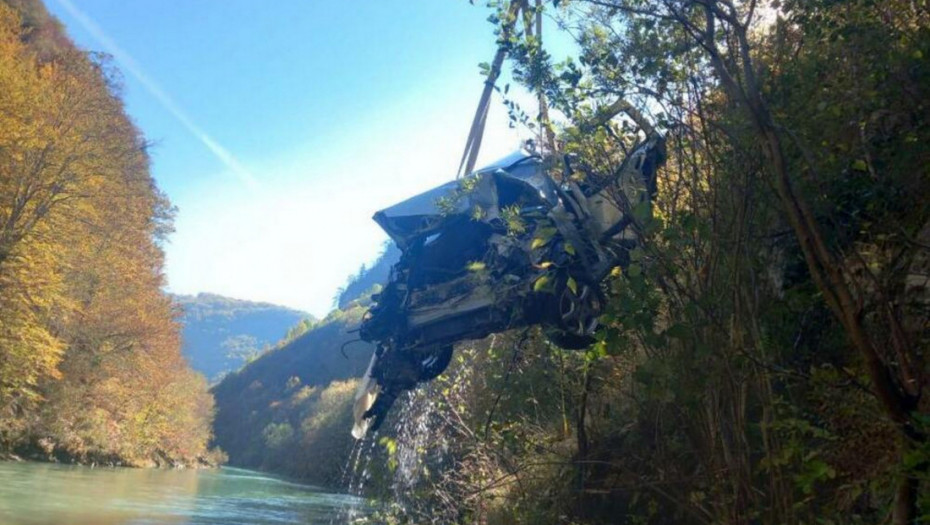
473	143
546	135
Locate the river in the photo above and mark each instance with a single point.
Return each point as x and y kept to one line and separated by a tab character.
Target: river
50	494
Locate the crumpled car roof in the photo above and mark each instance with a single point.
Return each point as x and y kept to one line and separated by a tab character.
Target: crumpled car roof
423	214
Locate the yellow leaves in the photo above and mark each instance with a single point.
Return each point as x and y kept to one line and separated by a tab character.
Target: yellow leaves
31	293
333	403
83	320
542	237
572	285
514	221
543	284
389	444
476	266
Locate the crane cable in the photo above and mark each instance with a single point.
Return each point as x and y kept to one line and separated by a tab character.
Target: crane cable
546	134
475	134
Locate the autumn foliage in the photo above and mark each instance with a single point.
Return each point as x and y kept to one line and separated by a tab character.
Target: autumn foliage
90	362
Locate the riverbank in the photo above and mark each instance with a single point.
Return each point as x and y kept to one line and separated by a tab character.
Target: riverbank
9	456
46	452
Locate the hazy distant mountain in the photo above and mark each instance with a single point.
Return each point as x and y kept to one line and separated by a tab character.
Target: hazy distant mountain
221	334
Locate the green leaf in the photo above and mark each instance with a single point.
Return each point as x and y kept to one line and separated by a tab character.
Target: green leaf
572	285
476	266
389	444
678	331
569	249
643	210
543	236
860	165
543	284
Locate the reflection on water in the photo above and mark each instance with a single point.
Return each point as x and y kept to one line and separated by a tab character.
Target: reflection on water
45	494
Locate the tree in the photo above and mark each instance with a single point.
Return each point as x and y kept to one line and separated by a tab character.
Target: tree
89	347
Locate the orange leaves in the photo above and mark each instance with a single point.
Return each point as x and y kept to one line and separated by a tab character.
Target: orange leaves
87	338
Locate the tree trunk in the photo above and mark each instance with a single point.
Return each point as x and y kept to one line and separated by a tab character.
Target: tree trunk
828	272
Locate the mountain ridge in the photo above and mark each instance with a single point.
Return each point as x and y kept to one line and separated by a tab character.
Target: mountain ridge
222	333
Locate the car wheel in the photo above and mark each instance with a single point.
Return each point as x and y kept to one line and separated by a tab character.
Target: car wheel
578	309
436	364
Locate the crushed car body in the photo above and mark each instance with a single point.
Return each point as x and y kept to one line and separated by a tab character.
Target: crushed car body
502	248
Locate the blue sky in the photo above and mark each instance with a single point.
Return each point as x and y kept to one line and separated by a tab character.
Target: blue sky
280	127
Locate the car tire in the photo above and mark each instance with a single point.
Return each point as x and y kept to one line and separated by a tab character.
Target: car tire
576	313
438	365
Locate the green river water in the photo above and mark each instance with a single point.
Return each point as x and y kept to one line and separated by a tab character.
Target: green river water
48	494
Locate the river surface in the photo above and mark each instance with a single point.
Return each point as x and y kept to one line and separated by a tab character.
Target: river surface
48	494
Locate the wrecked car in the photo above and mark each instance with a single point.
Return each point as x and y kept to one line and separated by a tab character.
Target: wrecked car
504	247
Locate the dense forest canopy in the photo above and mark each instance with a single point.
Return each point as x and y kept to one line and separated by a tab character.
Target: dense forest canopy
90	361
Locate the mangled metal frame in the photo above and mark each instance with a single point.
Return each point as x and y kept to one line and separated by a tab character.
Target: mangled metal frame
505	247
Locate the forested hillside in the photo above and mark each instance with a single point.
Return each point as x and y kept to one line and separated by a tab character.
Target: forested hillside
289	411
90	359
220	334
367	278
